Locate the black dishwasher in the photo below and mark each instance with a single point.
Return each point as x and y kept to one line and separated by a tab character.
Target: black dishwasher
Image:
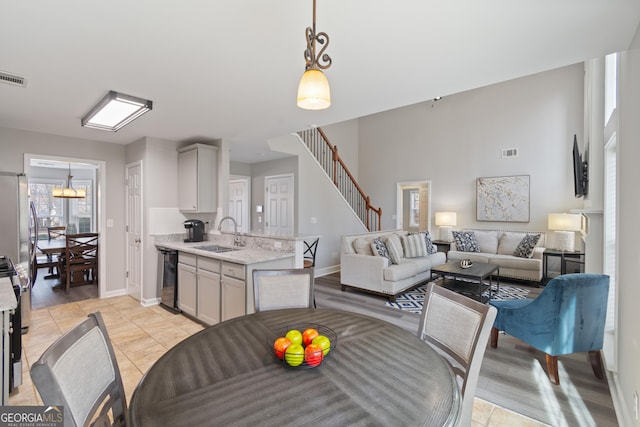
168	278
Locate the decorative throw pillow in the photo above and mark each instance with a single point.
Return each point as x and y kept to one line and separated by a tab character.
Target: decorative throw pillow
362	246
509	241
394	248
466	241
379	248
414	245
429	243
526	245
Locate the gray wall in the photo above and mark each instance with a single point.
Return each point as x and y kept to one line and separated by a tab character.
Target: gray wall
628	230
453	141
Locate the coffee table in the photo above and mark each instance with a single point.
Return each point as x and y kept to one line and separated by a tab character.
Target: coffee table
469	281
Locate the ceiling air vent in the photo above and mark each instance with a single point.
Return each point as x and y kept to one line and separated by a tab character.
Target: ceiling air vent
12	79
509	152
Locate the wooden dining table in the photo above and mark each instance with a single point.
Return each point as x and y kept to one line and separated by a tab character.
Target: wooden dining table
50	248
228	375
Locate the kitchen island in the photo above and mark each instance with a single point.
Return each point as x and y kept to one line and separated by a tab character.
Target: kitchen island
215	281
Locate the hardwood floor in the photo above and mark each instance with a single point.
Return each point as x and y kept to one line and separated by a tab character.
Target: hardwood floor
513	389
513	376
44	295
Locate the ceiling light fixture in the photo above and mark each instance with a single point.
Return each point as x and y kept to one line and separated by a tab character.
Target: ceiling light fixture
115	110
68	191
313	90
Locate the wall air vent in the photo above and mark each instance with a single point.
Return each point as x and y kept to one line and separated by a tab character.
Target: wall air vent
12	79
509	152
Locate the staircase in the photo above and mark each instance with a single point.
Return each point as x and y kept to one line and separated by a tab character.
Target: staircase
327	155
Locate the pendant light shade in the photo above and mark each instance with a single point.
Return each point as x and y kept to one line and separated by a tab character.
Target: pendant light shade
313	91
68	192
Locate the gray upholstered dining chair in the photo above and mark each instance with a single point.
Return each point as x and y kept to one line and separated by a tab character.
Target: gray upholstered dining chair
458	328
79	371
283	288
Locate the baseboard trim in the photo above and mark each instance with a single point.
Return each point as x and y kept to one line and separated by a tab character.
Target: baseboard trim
325	271
617	396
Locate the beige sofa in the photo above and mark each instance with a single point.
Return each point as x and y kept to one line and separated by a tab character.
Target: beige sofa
361	269
498	246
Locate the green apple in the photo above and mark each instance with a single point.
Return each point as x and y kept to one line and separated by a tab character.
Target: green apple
294	355
295	336
323	342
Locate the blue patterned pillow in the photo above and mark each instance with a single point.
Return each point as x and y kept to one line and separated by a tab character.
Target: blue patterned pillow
379	248
526	245
427	240
466	241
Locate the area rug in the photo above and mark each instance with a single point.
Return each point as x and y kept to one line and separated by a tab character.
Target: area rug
413	300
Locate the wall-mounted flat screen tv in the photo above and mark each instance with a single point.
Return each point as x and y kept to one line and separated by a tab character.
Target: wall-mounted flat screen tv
580	171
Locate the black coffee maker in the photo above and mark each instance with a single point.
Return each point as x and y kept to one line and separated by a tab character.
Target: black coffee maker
195	230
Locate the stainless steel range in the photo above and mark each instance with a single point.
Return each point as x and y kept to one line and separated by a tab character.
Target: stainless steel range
15	326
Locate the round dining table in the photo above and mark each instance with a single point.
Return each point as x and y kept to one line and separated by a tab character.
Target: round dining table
377	374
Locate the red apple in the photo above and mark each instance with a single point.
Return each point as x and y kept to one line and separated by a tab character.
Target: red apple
280	346
313	355
308	335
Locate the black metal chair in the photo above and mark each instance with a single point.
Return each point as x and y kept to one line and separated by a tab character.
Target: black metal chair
309	253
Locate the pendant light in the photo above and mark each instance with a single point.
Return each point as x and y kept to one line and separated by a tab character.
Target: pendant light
68	191
313	90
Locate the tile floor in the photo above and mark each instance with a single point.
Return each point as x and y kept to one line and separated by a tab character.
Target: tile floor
140	335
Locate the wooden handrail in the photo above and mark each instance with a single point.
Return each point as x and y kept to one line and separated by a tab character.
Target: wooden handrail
342	177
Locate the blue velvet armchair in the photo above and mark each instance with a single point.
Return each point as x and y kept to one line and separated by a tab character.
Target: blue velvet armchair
567	317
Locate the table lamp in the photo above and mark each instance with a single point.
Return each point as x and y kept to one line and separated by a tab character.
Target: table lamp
564	226
446	220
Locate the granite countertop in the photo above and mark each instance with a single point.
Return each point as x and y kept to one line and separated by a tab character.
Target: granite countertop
242	255
7	296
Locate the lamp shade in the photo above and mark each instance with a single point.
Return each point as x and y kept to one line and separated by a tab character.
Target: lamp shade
565	222
313	90
448	219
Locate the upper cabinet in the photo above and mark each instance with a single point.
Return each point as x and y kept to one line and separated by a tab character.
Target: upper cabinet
198	178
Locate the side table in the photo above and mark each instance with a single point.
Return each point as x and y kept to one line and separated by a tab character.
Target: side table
443	245
565	256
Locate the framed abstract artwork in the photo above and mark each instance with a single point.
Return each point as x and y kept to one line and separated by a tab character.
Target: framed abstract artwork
503	198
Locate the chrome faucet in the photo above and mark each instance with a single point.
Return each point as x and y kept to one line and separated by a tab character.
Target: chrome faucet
236	238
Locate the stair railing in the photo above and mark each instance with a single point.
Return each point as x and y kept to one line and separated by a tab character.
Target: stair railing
327	155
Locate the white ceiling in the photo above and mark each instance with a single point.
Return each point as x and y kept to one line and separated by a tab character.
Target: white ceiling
230	69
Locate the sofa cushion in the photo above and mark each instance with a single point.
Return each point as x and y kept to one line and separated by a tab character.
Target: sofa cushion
362	246
379	248
510	261
487	241
509	241
405	269
394	247
414	245
429	243
466	241
473	256
526	245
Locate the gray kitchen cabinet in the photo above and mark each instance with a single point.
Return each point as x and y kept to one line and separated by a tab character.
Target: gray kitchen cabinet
187	284
198	178
208	290
233	288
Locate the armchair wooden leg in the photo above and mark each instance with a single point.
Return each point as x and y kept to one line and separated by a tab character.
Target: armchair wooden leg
552	369
494	337
595	357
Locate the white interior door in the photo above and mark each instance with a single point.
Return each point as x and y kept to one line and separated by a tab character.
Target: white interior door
134	229
279	204
239	202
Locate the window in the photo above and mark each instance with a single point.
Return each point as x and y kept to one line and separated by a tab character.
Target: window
49	209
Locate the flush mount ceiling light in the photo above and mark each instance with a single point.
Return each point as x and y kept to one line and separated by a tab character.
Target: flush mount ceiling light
68	191
115	110
313	90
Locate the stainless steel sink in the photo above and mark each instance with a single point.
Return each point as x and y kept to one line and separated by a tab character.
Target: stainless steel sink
214	248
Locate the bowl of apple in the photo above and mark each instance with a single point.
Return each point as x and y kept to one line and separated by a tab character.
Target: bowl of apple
304	345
